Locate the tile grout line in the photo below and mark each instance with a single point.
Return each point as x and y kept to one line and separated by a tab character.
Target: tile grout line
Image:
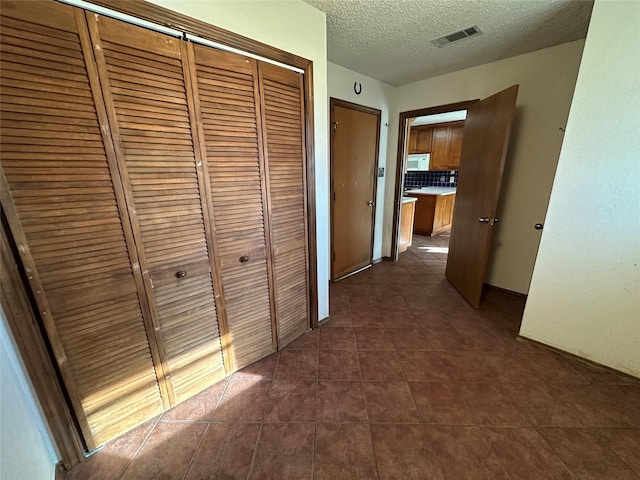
195	451
252	465
133	457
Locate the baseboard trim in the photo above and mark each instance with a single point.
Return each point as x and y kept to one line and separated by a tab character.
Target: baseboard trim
586	361
504	290
59	471
352	273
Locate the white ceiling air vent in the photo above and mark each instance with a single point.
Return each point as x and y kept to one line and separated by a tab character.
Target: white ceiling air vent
456	36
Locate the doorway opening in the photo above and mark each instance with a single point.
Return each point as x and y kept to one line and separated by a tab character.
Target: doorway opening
430	145
487	129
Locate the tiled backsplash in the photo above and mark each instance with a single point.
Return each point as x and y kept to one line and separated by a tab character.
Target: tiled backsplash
432	178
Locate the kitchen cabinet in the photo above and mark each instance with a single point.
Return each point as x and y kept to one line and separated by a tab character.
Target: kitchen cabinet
433	213
420	139
443	141
440	149
407	213
455	146
446	146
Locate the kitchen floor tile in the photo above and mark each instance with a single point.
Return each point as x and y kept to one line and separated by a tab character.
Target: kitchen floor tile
285	451
338	365
586	455
338	338
344	451
167	452
404	452
340	402
441	403
291	401
243	401
380	365
297	365
225	452
390	402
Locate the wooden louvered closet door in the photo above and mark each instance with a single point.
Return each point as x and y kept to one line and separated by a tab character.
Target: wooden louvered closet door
65	214
283	112
148	100
226	103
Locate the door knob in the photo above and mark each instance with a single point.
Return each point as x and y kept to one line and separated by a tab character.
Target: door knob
483	219
371	203
244	259
538	226
181	274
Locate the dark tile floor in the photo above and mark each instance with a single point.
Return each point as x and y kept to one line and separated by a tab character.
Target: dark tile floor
406	381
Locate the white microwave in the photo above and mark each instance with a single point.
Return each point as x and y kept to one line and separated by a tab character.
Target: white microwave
418	162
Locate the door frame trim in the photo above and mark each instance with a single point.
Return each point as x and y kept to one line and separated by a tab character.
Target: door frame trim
24	323
336	102
402	141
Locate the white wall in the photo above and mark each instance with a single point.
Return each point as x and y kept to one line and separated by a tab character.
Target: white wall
295	27
547	79
374	94
585	291
26	450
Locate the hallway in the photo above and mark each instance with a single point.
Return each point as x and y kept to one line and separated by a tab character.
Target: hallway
405	381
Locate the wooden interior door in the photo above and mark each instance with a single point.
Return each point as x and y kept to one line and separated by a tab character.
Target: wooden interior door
66	211
150	109
484	148
355	135
282	97
226	108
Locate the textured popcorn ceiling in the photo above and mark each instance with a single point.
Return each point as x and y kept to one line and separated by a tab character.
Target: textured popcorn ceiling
390	40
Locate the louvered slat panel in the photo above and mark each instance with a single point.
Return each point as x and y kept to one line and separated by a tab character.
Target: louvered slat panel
225	87
59	179
282	101
142	71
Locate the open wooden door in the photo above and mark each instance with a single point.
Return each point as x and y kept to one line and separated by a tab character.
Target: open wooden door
355	135
484	148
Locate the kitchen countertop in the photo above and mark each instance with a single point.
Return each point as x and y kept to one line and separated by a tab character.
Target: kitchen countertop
431	191
409	199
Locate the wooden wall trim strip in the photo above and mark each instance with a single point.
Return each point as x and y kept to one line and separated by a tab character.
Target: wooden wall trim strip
311	192
24	325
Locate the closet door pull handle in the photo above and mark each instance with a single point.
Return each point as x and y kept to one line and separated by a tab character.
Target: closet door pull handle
181	274
244	259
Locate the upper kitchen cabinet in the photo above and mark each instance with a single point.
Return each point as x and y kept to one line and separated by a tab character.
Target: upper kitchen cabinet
455	146
446	146
420	139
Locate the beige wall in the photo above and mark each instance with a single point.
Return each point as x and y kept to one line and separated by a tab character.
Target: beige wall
585	291
374	94
295	27
547	79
